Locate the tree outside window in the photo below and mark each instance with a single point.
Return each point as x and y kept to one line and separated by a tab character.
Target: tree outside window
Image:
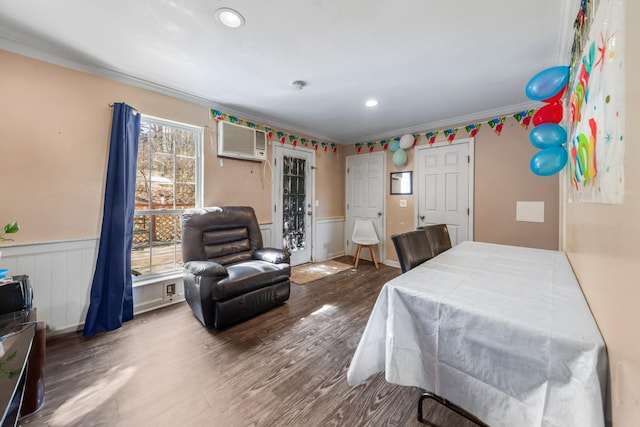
167	182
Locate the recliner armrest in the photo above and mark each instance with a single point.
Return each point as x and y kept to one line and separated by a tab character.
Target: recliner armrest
272	255
206	268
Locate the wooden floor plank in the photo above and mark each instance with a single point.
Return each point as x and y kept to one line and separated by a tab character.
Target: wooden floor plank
286	367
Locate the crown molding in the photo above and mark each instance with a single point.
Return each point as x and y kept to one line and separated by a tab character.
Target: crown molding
469	118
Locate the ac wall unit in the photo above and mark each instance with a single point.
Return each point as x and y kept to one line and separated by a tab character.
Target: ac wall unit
241	142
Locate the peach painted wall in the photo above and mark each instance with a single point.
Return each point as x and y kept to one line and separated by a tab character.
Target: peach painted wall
502	177
54	145
602	245
330	179
399	219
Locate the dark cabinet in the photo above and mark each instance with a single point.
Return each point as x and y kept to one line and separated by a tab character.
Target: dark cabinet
22	352
15	349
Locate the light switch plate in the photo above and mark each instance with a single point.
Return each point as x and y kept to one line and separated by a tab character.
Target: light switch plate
403	203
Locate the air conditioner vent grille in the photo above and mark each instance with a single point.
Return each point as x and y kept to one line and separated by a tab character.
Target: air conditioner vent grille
241	142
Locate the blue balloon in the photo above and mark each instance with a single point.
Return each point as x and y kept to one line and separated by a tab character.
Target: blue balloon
549	161
394	145
548	135
399	157
547	83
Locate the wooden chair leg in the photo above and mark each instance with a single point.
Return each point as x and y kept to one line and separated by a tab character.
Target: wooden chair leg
357	256
373	257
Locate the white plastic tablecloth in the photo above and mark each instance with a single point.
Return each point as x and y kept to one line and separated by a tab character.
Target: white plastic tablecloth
503	331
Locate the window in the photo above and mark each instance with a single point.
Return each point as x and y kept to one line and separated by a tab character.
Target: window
167	182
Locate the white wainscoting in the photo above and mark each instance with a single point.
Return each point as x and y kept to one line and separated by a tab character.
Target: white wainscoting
329	239
61	274
267	235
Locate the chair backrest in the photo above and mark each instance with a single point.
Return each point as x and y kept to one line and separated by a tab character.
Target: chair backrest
222	234
412	248
438	235
364	233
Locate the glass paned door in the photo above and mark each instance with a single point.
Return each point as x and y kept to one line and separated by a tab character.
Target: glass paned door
293	199
294	202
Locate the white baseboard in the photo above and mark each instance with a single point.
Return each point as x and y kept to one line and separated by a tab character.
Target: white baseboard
391	263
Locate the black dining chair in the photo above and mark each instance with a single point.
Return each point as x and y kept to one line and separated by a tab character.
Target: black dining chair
451	406
412	248
438	235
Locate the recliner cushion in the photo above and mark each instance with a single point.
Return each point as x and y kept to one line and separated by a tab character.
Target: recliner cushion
247	276
227	246
233	310
225	235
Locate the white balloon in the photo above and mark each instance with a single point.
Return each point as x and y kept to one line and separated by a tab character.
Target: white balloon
406	141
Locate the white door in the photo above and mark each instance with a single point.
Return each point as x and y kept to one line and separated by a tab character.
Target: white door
293	201
365	197
445	188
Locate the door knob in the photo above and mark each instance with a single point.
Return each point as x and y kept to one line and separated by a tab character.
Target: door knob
309	213
379	213
421	217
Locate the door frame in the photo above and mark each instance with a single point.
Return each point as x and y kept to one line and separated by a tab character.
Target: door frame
277	199
347	221
471	193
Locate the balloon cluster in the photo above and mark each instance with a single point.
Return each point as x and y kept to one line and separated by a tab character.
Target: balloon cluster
548	86
398	147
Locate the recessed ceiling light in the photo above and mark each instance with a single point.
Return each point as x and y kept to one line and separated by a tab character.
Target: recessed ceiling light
371	103
229	17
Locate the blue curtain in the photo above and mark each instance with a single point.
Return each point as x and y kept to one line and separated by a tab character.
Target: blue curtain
111	293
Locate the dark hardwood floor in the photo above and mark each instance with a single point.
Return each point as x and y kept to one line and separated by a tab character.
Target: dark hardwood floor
286	367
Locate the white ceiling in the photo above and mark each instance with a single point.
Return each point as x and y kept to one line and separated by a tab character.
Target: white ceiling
429	63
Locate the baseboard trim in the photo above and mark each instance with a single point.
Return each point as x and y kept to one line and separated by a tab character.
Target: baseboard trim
391	263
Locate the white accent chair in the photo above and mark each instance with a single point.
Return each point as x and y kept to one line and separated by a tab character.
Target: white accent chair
364	235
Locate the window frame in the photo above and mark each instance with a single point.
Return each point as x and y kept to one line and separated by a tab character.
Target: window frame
198	132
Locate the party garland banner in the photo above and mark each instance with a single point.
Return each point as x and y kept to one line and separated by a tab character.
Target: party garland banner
282	137
473	129
431	136
497	124
450	134
522	117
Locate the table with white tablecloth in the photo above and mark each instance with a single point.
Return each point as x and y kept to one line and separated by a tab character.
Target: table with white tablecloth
502	331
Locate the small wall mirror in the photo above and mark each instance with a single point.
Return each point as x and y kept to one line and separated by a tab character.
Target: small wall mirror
401	182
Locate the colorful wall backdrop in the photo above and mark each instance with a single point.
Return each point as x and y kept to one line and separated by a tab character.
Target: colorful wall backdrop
596	143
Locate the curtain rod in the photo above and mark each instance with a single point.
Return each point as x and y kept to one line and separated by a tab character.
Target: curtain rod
134	108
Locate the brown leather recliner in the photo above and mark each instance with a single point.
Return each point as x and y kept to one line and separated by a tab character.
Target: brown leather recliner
228	275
